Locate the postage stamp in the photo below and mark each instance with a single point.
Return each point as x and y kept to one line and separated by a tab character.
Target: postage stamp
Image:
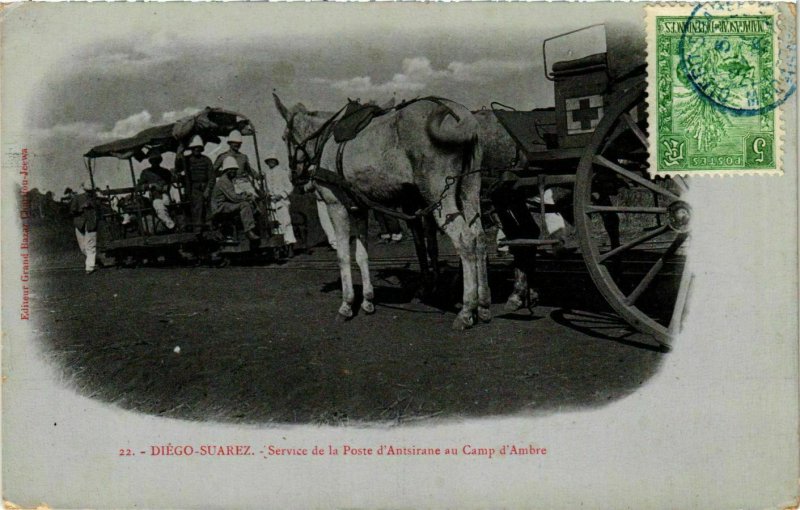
719	74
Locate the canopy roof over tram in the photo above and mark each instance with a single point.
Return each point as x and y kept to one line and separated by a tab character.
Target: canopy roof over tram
210	124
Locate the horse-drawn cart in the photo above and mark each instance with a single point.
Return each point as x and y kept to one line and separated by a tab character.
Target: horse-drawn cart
129	230
593	146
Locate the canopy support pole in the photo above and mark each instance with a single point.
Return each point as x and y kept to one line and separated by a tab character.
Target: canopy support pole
261	179
139	218
133	175
91	174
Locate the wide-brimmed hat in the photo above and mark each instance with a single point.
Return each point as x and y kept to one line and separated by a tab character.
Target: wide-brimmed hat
229	163
272	161
196	142
235	137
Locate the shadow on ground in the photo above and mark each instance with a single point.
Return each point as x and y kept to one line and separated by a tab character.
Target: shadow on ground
248	344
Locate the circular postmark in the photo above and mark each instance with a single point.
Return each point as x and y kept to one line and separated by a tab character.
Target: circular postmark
737	58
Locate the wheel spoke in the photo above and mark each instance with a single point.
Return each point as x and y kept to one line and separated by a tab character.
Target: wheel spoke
625	209
600	160
681	183
611	139
680	303
650	276
631	244
636	129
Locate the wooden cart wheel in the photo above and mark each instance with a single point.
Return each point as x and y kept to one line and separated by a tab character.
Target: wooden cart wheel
632	228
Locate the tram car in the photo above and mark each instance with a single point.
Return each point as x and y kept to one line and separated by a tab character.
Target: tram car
129	229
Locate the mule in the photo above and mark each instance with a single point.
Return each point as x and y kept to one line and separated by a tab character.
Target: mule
423	157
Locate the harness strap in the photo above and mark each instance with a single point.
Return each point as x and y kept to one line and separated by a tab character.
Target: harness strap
336	179
357	198
340	158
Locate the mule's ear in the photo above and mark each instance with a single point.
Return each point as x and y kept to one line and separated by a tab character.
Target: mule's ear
281	108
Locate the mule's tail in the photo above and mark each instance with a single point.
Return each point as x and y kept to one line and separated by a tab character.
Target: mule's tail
471	160
444	128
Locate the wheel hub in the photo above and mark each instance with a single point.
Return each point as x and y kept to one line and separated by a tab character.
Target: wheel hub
679	215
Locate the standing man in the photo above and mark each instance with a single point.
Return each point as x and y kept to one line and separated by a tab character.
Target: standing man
156	181
280	187
225	199
84	219
245	176
199	176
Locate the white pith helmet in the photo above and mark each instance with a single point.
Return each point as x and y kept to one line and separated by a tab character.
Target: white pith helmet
196	142
235	137
229	163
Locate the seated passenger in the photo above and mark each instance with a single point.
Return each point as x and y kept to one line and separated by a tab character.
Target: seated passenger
155	180
245	175
224	198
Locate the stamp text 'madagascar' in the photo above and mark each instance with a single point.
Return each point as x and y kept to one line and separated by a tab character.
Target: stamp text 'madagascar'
751	25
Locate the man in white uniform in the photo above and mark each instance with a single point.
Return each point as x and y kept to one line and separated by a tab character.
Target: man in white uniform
84	219
279	185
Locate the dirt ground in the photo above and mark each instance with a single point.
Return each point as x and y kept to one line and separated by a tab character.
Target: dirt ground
262	344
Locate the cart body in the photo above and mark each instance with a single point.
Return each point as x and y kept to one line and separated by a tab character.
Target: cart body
592	144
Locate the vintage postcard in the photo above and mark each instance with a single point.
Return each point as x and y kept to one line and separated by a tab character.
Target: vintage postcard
399	255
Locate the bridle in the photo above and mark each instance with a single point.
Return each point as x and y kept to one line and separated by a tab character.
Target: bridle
310	158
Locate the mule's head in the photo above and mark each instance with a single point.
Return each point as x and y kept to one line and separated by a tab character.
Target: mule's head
300	125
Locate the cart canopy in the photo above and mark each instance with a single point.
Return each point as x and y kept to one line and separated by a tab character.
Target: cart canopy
210	124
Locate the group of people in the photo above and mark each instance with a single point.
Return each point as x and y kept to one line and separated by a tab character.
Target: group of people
225	186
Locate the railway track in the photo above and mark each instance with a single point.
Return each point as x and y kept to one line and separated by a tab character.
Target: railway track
573	264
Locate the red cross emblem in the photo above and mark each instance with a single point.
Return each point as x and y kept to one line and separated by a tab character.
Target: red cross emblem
583	114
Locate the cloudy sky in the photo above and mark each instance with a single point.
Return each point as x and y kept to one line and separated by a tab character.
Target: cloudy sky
86	74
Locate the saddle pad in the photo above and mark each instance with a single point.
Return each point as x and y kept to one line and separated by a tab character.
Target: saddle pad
356	117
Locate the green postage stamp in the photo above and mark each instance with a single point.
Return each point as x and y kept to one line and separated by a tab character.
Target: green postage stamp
718	75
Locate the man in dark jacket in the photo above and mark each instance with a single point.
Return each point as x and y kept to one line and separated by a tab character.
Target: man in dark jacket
199	176
84	219
245	175
224	198
156	180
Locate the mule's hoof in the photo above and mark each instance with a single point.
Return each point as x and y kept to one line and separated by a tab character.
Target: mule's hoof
514	303
422	296
345	312
533	298
368	307
463	322
484	314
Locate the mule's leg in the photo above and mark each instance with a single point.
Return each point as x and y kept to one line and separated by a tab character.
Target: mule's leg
455	226
432	245
340	219
482	273
523	294
470	198
517	298
362	259
418	233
